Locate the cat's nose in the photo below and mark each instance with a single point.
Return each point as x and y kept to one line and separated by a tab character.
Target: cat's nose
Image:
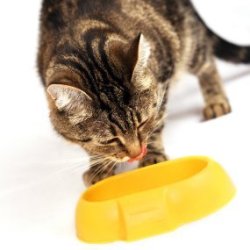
138	153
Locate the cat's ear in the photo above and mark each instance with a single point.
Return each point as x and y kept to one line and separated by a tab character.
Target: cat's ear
139	53
69	98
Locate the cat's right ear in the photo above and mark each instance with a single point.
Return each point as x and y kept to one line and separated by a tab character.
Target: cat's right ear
70	99
139	53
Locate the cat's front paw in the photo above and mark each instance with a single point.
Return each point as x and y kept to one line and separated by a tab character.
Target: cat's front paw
215	110
153	158
98	173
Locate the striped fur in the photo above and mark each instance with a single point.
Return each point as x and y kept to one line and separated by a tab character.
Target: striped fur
107	67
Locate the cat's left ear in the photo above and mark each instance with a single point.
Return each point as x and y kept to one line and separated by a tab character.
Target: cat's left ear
70	99
139	53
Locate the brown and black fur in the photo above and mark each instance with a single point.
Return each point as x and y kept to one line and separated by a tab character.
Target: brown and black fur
93	57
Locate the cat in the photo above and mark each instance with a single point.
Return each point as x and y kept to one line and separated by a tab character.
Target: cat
107	66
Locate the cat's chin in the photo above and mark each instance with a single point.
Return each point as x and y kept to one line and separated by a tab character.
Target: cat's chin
119	160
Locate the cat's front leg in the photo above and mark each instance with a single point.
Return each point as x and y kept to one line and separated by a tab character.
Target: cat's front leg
217	103
156	152
98	172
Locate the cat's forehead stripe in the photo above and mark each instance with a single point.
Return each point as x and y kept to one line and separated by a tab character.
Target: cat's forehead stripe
102	64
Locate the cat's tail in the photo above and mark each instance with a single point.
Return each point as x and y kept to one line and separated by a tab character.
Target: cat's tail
223	49
229	51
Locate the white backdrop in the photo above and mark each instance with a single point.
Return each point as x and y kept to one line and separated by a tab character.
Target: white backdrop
40	173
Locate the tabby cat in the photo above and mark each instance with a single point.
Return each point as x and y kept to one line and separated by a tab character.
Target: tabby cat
107	66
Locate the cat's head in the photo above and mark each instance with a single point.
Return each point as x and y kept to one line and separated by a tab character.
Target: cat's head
111	108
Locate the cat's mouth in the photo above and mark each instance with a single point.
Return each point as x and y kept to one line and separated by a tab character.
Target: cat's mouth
118	159
140	156
132	158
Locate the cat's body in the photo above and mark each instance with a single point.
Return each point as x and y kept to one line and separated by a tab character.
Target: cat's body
108	65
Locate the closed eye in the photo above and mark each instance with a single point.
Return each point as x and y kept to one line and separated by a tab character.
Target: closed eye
111	141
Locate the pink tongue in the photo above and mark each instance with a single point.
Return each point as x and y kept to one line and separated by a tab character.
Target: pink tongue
140	156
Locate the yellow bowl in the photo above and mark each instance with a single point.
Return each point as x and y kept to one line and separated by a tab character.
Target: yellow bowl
152	200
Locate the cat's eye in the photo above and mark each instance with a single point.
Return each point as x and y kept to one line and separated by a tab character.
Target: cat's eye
111	141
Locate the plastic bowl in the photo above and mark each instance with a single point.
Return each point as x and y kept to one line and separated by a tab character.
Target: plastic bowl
152	200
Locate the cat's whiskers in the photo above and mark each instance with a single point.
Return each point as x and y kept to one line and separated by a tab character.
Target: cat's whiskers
79	164
66	161
98	161
100	169
110	164
96	158
112	168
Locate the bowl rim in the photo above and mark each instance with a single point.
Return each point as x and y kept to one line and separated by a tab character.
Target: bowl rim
207	159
